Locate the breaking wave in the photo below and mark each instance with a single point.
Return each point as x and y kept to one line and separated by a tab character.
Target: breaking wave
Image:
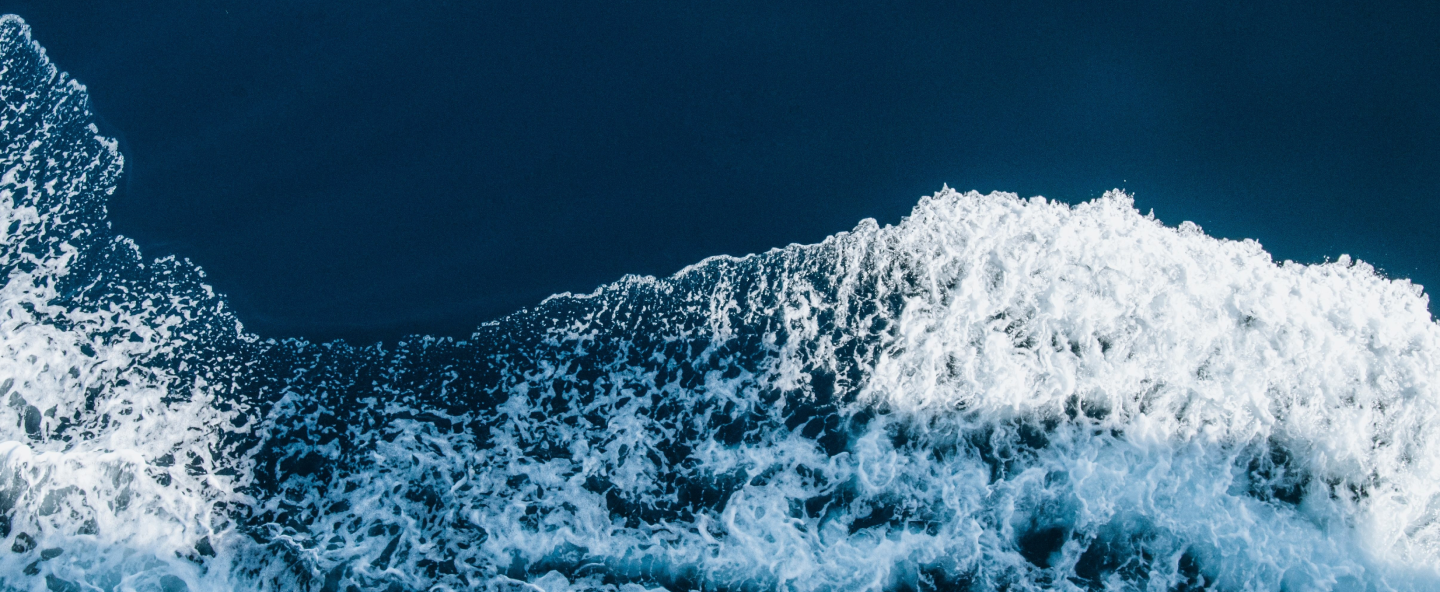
995	394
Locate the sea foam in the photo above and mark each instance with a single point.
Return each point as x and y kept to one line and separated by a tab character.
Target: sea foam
995	394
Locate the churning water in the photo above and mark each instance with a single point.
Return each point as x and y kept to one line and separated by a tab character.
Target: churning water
995	394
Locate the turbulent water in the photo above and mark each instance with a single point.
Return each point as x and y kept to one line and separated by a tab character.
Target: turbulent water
996	394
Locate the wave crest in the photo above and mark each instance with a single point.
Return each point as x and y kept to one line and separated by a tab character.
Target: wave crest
996	393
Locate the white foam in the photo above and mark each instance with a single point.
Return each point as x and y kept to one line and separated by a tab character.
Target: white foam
998	393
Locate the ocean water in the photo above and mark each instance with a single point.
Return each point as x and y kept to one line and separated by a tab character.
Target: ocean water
370	169
995	393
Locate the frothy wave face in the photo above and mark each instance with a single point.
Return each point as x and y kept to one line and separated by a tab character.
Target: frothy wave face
995	394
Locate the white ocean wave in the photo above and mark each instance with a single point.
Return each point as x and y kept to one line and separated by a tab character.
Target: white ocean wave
995	394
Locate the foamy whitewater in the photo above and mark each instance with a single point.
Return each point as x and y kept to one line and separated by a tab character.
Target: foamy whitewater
996	394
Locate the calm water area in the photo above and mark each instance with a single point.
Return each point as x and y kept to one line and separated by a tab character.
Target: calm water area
365	170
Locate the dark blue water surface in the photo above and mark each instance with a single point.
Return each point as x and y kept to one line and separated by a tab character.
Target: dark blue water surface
994	394
364	170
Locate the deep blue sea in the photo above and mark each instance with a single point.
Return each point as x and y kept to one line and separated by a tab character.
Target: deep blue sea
365	170
719	296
